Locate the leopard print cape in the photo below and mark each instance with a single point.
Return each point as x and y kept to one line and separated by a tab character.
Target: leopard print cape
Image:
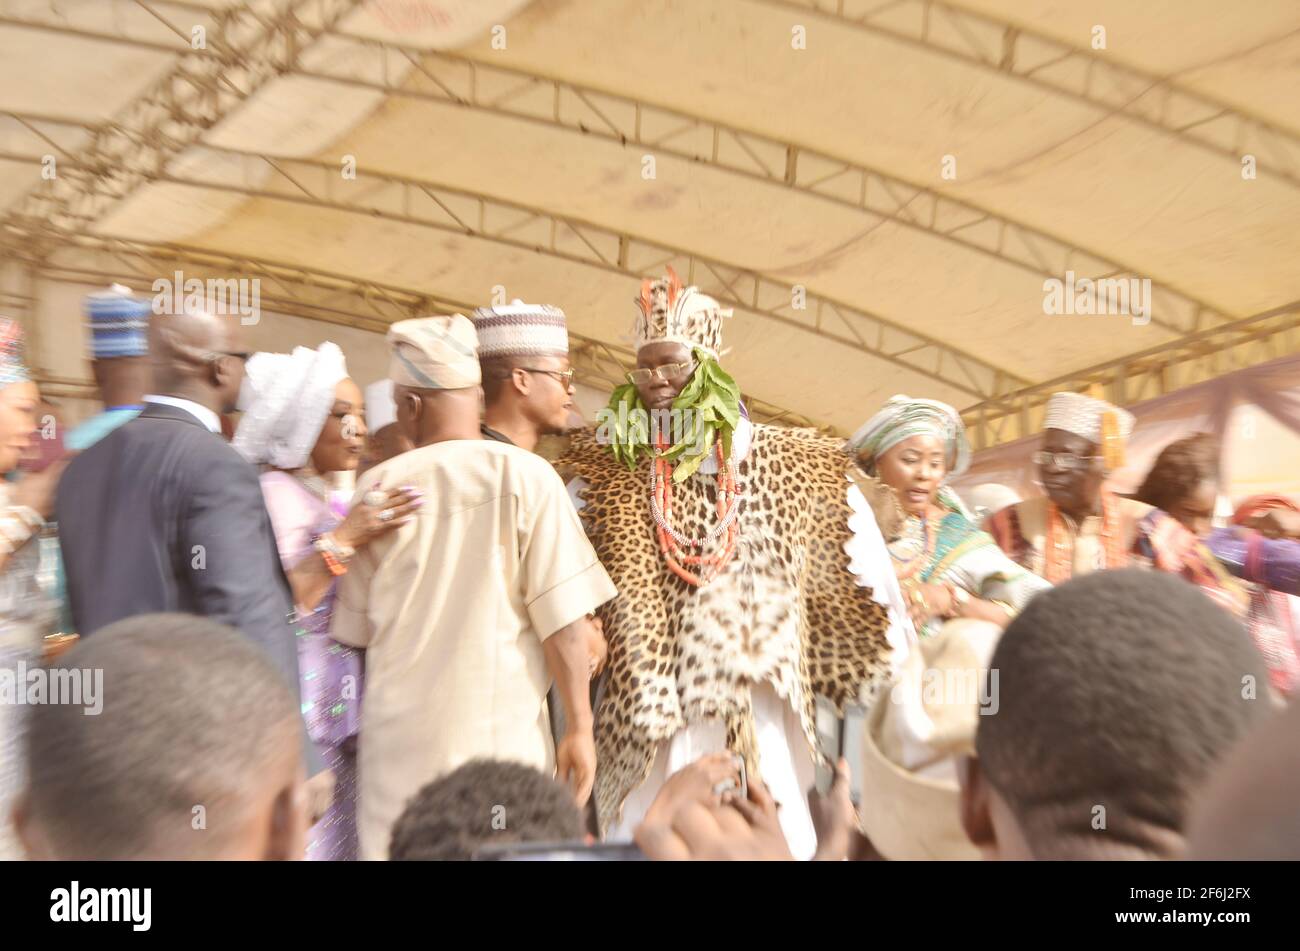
786	610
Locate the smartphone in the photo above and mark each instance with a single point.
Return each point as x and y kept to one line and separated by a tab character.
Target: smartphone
852	733
829	729
559	852
840	736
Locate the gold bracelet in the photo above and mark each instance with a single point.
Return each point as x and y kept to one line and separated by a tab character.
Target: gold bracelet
918	599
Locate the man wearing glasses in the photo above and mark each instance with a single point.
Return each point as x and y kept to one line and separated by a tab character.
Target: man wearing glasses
523	351
469	613
725	538
1079	525
527	380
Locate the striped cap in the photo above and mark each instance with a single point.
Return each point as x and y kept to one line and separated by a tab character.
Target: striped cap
521	330
118	324
1084	416
434	353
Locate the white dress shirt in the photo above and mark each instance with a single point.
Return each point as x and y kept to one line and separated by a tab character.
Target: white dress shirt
204	415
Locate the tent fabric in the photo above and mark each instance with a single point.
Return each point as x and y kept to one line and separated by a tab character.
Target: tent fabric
881	188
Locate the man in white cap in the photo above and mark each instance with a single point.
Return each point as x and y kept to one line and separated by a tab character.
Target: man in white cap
1079	525
523	350
469	612
527	380
385	438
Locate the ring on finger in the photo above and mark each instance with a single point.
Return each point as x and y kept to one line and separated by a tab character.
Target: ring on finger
386	515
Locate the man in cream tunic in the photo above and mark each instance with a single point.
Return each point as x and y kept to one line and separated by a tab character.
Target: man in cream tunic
470	610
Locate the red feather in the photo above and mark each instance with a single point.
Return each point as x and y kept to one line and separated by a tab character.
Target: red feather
674	287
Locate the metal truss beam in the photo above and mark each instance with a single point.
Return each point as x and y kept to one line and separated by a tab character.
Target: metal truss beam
1098	81
245	46
315	294
1257	339
592	112
325	296
425	204
447	78
164	26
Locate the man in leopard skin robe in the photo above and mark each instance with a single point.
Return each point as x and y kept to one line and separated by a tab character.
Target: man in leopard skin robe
757	581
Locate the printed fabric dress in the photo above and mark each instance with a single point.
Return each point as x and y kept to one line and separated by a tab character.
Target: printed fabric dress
962	555
330	673
27	614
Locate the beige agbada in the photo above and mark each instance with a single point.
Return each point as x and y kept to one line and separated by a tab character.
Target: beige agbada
452	610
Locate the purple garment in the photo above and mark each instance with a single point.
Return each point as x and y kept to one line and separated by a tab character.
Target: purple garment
1272	563
1273	568
330	673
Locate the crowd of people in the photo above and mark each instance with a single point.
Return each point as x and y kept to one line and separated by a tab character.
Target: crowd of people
338	623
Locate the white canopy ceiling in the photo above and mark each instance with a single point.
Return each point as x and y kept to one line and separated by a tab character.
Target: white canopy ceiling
788	157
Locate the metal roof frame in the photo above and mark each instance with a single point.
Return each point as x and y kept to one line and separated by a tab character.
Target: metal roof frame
329	297
428	204
1115	88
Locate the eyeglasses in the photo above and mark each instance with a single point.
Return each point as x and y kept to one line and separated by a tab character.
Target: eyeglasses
564	376
1062	460
643	375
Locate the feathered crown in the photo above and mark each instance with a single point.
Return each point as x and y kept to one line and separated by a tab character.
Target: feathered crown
679	314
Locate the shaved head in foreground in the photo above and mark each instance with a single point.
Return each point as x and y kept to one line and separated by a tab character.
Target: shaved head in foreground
195	755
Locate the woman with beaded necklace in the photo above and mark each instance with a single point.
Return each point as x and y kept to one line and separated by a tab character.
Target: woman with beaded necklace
948	567
303	421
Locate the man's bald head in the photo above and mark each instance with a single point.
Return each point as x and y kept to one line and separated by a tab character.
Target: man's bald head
198	356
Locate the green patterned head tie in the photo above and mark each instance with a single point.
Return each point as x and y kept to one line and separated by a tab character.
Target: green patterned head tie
902	418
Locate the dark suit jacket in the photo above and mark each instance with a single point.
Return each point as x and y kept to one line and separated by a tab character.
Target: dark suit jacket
162	515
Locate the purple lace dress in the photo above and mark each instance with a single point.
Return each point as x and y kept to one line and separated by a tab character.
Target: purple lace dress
330	673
